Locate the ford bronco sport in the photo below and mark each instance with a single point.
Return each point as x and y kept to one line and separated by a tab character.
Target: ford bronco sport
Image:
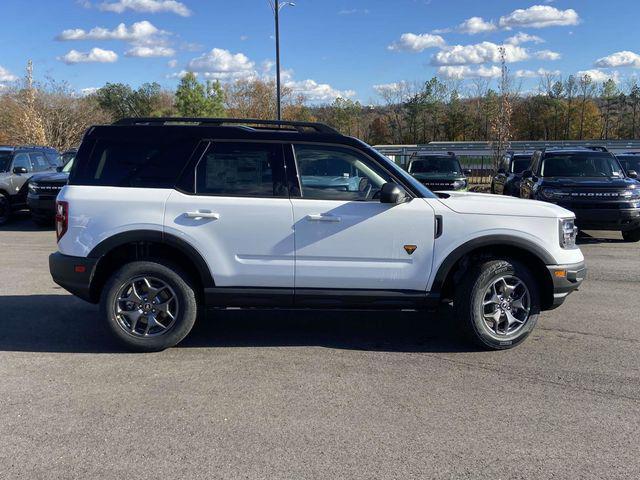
439	171
591	183
162	217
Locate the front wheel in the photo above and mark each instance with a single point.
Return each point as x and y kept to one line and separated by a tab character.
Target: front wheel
498	303
149	306
631	235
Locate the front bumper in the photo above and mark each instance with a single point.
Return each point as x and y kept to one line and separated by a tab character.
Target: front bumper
566	279
74	274
605	218
42	205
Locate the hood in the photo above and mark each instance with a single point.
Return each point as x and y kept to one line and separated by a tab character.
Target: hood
438	176
487	204
588	182
54	177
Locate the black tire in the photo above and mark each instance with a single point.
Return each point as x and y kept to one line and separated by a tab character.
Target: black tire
180	285
42	221
470	296
631	235
5	208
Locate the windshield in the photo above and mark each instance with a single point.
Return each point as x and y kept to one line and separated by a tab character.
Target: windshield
444	164
580	165
520	164
5	160
630	162
67	167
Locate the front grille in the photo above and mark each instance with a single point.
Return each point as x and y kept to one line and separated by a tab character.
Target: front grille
47	188
436	184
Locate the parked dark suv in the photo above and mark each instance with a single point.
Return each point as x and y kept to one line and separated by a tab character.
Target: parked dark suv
439	171
43	189
630	163
509	176
591	183
17	165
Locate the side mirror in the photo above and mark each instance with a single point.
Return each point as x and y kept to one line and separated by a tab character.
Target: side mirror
527	174
19	170
392	193
467	171
632	174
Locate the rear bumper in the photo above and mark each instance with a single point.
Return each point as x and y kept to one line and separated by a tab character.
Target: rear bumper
566	279
74	274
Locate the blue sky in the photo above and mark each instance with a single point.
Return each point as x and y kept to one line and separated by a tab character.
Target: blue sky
329	47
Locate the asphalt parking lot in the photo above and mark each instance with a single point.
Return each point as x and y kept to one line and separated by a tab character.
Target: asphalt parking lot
291	395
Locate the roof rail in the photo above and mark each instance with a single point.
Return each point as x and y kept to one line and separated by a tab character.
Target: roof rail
301	127
597	148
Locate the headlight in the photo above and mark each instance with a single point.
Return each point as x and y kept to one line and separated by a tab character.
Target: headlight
32	187
552	193
458	184
631	194
568	232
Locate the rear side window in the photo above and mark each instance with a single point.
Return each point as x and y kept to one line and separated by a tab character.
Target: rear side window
39	162
140	162
242	169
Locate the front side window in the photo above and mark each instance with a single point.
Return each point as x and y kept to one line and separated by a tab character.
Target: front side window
22	160
630	163
580	165
242	169
5	160
337	173
39	162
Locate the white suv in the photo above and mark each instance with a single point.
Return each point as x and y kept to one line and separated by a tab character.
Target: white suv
162	217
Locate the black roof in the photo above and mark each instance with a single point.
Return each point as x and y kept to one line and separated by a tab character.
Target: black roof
574	149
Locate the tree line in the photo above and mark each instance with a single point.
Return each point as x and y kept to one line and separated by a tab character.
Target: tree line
571	108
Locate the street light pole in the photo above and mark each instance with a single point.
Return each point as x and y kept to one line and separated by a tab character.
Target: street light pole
276	5
277	12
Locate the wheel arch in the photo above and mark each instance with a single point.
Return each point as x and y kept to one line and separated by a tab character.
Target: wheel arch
495	246
114	251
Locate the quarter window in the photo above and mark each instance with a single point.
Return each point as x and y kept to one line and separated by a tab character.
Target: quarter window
336	173
242	169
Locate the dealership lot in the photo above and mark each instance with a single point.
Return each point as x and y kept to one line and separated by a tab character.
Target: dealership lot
318	395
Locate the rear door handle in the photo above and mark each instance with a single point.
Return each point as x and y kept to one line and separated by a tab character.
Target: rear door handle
321	217
203	214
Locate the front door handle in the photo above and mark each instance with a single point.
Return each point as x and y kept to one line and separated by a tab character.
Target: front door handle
322	217
203	214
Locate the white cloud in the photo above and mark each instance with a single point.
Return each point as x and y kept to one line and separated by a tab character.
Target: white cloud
6	75
394	87
539	16
410	42
316	92
88	91
520	38
138	32
485	52
541	72
547	55
95	55
244	37
223	65
353	11
150	6
475	25
172	63
461	72
149	52
624	58
599	76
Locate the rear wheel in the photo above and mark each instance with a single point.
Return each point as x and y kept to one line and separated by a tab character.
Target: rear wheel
498	303
149	306
5	208
631	235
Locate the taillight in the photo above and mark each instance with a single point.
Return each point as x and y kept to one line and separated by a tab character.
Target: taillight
62	218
